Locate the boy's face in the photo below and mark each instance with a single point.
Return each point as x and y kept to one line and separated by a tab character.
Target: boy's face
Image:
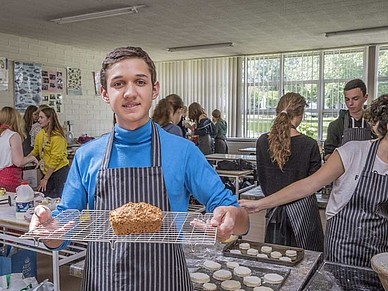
355	100
130	92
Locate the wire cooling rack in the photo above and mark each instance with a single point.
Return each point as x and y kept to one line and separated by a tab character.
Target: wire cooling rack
93	226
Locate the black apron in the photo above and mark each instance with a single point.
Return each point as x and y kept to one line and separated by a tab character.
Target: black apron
134	266
355	133
359	230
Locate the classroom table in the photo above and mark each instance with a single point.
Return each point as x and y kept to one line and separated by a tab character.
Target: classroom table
247	150
230	157
11	229
236	175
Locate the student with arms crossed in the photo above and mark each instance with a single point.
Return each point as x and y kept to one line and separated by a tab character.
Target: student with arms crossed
138	162
357	224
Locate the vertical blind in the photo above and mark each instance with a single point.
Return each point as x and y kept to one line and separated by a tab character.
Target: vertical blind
210	82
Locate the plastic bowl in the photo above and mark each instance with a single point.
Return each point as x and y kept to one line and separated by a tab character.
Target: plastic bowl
380	265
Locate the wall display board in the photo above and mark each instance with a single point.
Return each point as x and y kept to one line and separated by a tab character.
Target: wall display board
52	81
28	85
54	101
74	84
3	74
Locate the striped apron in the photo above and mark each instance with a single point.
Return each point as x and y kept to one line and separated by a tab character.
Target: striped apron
296	224
360	230
306	223
355	133
134	266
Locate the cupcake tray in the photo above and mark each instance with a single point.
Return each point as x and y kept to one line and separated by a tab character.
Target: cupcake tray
190	228
256	271
234	245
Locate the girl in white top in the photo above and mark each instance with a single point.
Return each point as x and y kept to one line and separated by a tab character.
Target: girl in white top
11	158
357	227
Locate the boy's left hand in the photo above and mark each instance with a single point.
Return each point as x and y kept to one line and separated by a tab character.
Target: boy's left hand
224	218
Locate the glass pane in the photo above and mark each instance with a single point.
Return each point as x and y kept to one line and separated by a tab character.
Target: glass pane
343	65
383	63
382	88
334	96
301	67
309	91
327	118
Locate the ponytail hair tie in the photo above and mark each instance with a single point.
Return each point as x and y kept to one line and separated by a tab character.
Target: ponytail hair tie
284	111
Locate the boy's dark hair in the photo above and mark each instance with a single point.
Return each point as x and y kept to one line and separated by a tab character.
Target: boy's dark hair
378	112
128	52
356	83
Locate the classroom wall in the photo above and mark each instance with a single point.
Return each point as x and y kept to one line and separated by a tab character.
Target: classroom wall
89	113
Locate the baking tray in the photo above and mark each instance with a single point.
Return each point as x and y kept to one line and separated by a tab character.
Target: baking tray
234	245
93	226
335	276
256	271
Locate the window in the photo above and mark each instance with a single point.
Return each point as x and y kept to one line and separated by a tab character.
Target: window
382	71
262	87
247	89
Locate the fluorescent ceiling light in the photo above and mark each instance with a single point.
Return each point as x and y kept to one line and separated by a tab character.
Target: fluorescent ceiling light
353	31
200	46
97	15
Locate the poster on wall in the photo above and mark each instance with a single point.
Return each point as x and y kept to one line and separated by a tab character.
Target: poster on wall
74	81
3	74
52	81
28	85
54	101
97	84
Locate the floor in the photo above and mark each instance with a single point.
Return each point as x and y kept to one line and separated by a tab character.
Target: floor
70	283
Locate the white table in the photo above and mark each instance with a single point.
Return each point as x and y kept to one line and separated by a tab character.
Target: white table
230	157
10	229
247	150
236	175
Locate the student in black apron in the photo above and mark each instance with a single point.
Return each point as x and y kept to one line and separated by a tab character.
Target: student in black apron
350	124
137	162
284	156
357	211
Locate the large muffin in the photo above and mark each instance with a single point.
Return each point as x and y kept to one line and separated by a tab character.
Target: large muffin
135	218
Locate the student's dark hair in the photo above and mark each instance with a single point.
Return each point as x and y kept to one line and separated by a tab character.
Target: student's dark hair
217	114
195	111
175	100
163	112
54	127
122	53
29	117
378	112
356	83
279	139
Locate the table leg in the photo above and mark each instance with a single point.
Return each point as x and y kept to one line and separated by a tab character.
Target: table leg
238	188
56	271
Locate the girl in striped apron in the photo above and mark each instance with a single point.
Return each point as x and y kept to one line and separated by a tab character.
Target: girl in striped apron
357	225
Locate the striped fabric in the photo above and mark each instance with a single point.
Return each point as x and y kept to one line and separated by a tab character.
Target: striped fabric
306	223
359	231
355	133
134	266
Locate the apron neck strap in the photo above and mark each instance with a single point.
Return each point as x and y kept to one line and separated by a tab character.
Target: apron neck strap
155	148
370	160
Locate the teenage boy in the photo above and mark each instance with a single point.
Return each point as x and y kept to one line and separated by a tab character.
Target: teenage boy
137	162
350	124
